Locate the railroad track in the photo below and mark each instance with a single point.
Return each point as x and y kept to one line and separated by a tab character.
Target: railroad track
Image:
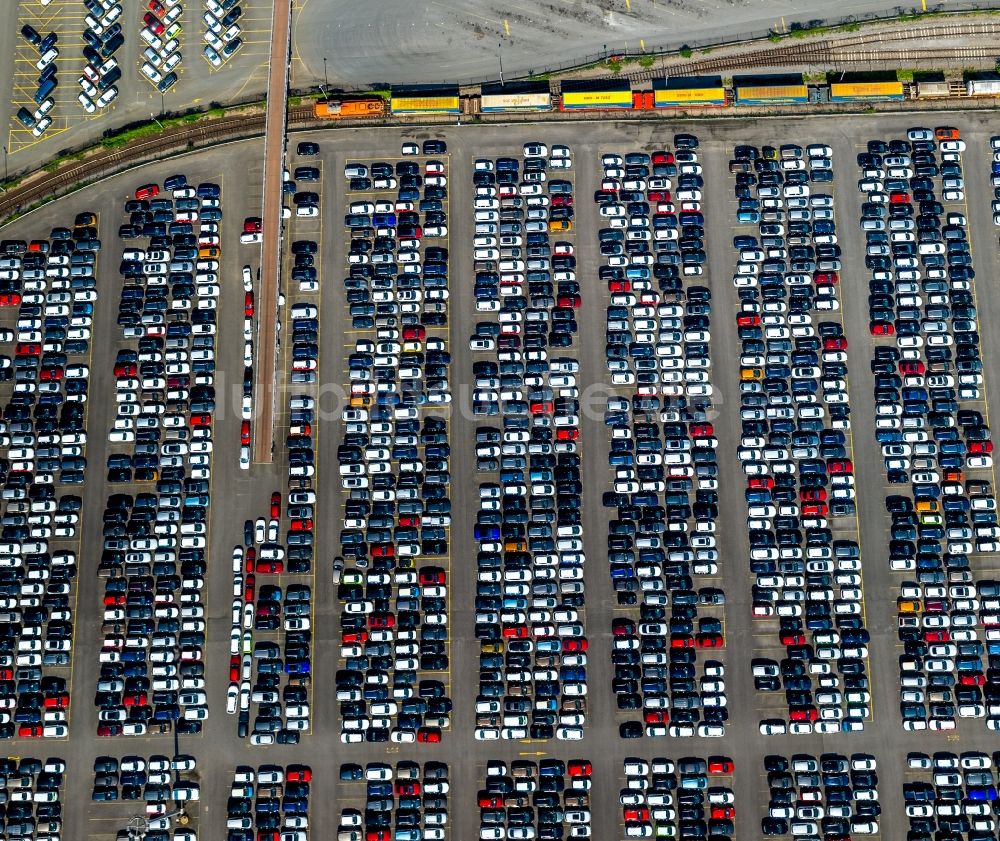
138	151
857	49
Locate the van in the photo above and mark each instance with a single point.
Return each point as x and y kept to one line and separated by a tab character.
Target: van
109	79
44	90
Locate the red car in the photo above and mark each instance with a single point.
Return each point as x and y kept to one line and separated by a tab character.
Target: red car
720	765
429	734
302	525
912	366
619	286
250	559
681	641
882	328
155	24
580	768
789	638
972	679
937	636
659	195
569	301
299	774
270	567
59	701
622	627
813	494
835	343
245	433
803	714
748	320
640	813
567	433
575	644
234	668
710	640
249	587
515	632
252	225
51	375
275	505
383	550
377	835
826	278
663	157
840	465
490	801
248	304
980	447
656	717
431	575
723	813
406	787
414	334
147	191
201	420
899	198
760	482
10	299
156	7
381	620
125	369
814	509
354	637
108	728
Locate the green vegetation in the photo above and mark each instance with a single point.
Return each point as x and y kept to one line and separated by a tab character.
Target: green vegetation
904	75
647	61
685	52
818	78
614	65
774	37
116	141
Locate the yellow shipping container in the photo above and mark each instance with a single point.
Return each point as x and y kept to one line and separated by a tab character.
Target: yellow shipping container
866	90
597	99
689	96
424	104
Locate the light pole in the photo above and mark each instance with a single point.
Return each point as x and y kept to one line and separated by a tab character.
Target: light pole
161	103
500	56
152	116
6	175
326	80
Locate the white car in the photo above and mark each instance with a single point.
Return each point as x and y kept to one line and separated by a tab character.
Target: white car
47	58
212	55
107	97
87	103
151	73
171	62
41	126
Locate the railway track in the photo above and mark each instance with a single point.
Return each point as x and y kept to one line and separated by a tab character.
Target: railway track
142	150
856	49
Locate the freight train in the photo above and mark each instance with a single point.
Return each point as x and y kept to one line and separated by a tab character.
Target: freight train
677	92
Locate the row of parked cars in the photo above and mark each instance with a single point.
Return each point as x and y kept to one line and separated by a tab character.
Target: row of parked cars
222	30
409	803
162	783
548	800
664	472
931	425
795	448
103	38
30	798
394	458
269	803
159	32
832	797
43	437
530	589
38	120
256	665
687	798
952	795
154	556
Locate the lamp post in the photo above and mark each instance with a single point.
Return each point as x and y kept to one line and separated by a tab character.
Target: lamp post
500	56
6	175
152	116
326	80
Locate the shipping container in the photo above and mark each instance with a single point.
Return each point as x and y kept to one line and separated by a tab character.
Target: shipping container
685	91
337	110
597	94
516	96
983	87
928	89
429	100
867	91
770	89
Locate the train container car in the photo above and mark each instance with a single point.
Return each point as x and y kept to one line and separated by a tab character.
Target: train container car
887	91
349	108
983	85
776	89
425	100
516	97
687	91
927	90
596	95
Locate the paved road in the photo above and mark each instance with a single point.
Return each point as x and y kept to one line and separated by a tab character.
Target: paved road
399	42
275	124
237	495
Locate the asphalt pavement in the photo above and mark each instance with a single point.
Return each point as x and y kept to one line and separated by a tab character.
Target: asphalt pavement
237	495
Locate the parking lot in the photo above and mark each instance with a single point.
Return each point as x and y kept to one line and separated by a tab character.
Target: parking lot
110	68
418	592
